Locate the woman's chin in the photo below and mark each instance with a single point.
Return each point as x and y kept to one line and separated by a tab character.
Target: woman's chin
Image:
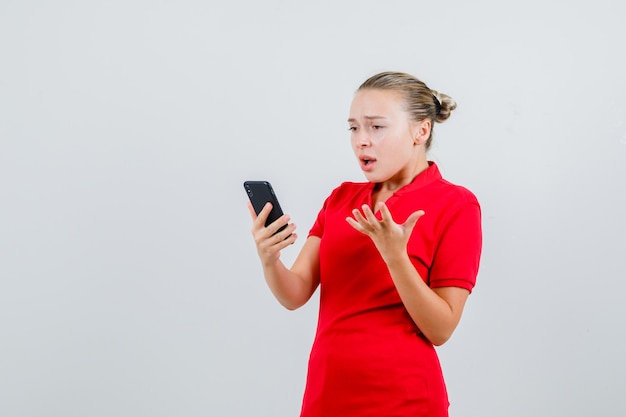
371	177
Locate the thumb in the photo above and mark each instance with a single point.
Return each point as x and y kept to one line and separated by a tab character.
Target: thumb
412	219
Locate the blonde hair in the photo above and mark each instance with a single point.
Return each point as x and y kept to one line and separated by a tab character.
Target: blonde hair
421	102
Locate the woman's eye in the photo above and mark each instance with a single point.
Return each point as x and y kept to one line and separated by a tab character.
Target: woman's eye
352	128
376	127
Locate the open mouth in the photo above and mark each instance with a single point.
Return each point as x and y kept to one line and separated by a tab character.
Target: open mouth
367	161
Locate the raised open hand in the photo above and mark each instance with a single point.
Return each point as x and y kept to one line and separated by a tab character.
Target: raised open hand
389	237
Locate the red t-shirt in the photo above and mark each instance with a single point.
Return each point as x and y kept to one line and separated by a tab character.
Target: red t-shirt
369	358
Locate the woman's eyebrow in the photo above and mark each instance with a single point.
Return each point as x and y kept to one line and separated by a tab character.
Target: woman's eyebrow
352	120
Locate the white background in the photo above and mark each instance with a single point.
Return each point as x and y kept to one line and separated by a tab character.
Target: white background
129	283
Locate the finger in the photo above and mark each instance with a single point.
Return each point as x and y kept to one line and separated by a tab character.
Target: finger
356	225
369	214
261	218
278	234
282	239
286	242
385	214
271	241
412	219
359	217
275	226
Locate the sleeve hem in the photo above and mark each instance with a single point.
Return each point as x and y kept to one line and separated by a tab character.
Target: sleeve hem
314	233
453	282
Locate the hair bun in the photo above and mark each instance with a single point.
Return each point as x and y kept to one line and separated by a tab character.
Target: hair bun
437	104
446	105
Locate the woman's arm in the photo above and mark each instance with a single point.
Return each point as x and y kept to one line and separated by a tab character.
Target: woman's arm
291	287
435	311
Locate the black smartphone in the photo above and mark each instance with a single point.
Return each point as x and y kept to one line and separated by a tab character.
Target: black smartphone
261	192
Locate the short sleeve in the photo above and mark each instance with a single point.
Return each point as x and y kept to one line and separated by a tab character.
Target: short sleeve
457	257
318	227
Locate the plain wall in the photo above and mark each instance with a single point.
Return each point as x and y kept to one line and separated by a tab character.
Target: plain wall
129	282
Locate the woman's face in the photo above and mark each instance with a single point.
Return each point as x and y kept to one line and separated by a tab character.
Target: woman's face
386	142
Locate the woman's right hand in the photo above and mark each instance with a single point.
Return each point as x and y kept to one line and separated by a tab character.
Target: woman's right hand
268	242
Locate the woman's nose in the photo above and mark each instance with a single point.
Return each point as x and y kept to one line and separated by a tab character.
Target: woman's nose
362	139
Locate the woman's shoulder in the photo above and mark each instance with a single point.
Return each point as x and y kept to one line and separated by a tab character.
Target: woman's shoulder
458	193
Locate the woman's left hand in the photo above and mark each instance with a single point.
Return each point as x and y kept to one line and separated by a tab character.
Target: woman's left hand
389	237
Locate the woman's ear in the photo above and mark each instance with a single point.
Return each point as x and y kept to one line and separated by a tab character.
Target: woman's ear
422	132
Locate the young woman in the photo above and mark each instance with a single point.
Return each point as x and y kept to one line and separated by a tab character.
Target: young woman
395	259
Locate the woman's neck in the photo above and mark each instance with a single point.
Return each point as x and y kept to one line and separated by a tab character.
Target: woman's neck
383	190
